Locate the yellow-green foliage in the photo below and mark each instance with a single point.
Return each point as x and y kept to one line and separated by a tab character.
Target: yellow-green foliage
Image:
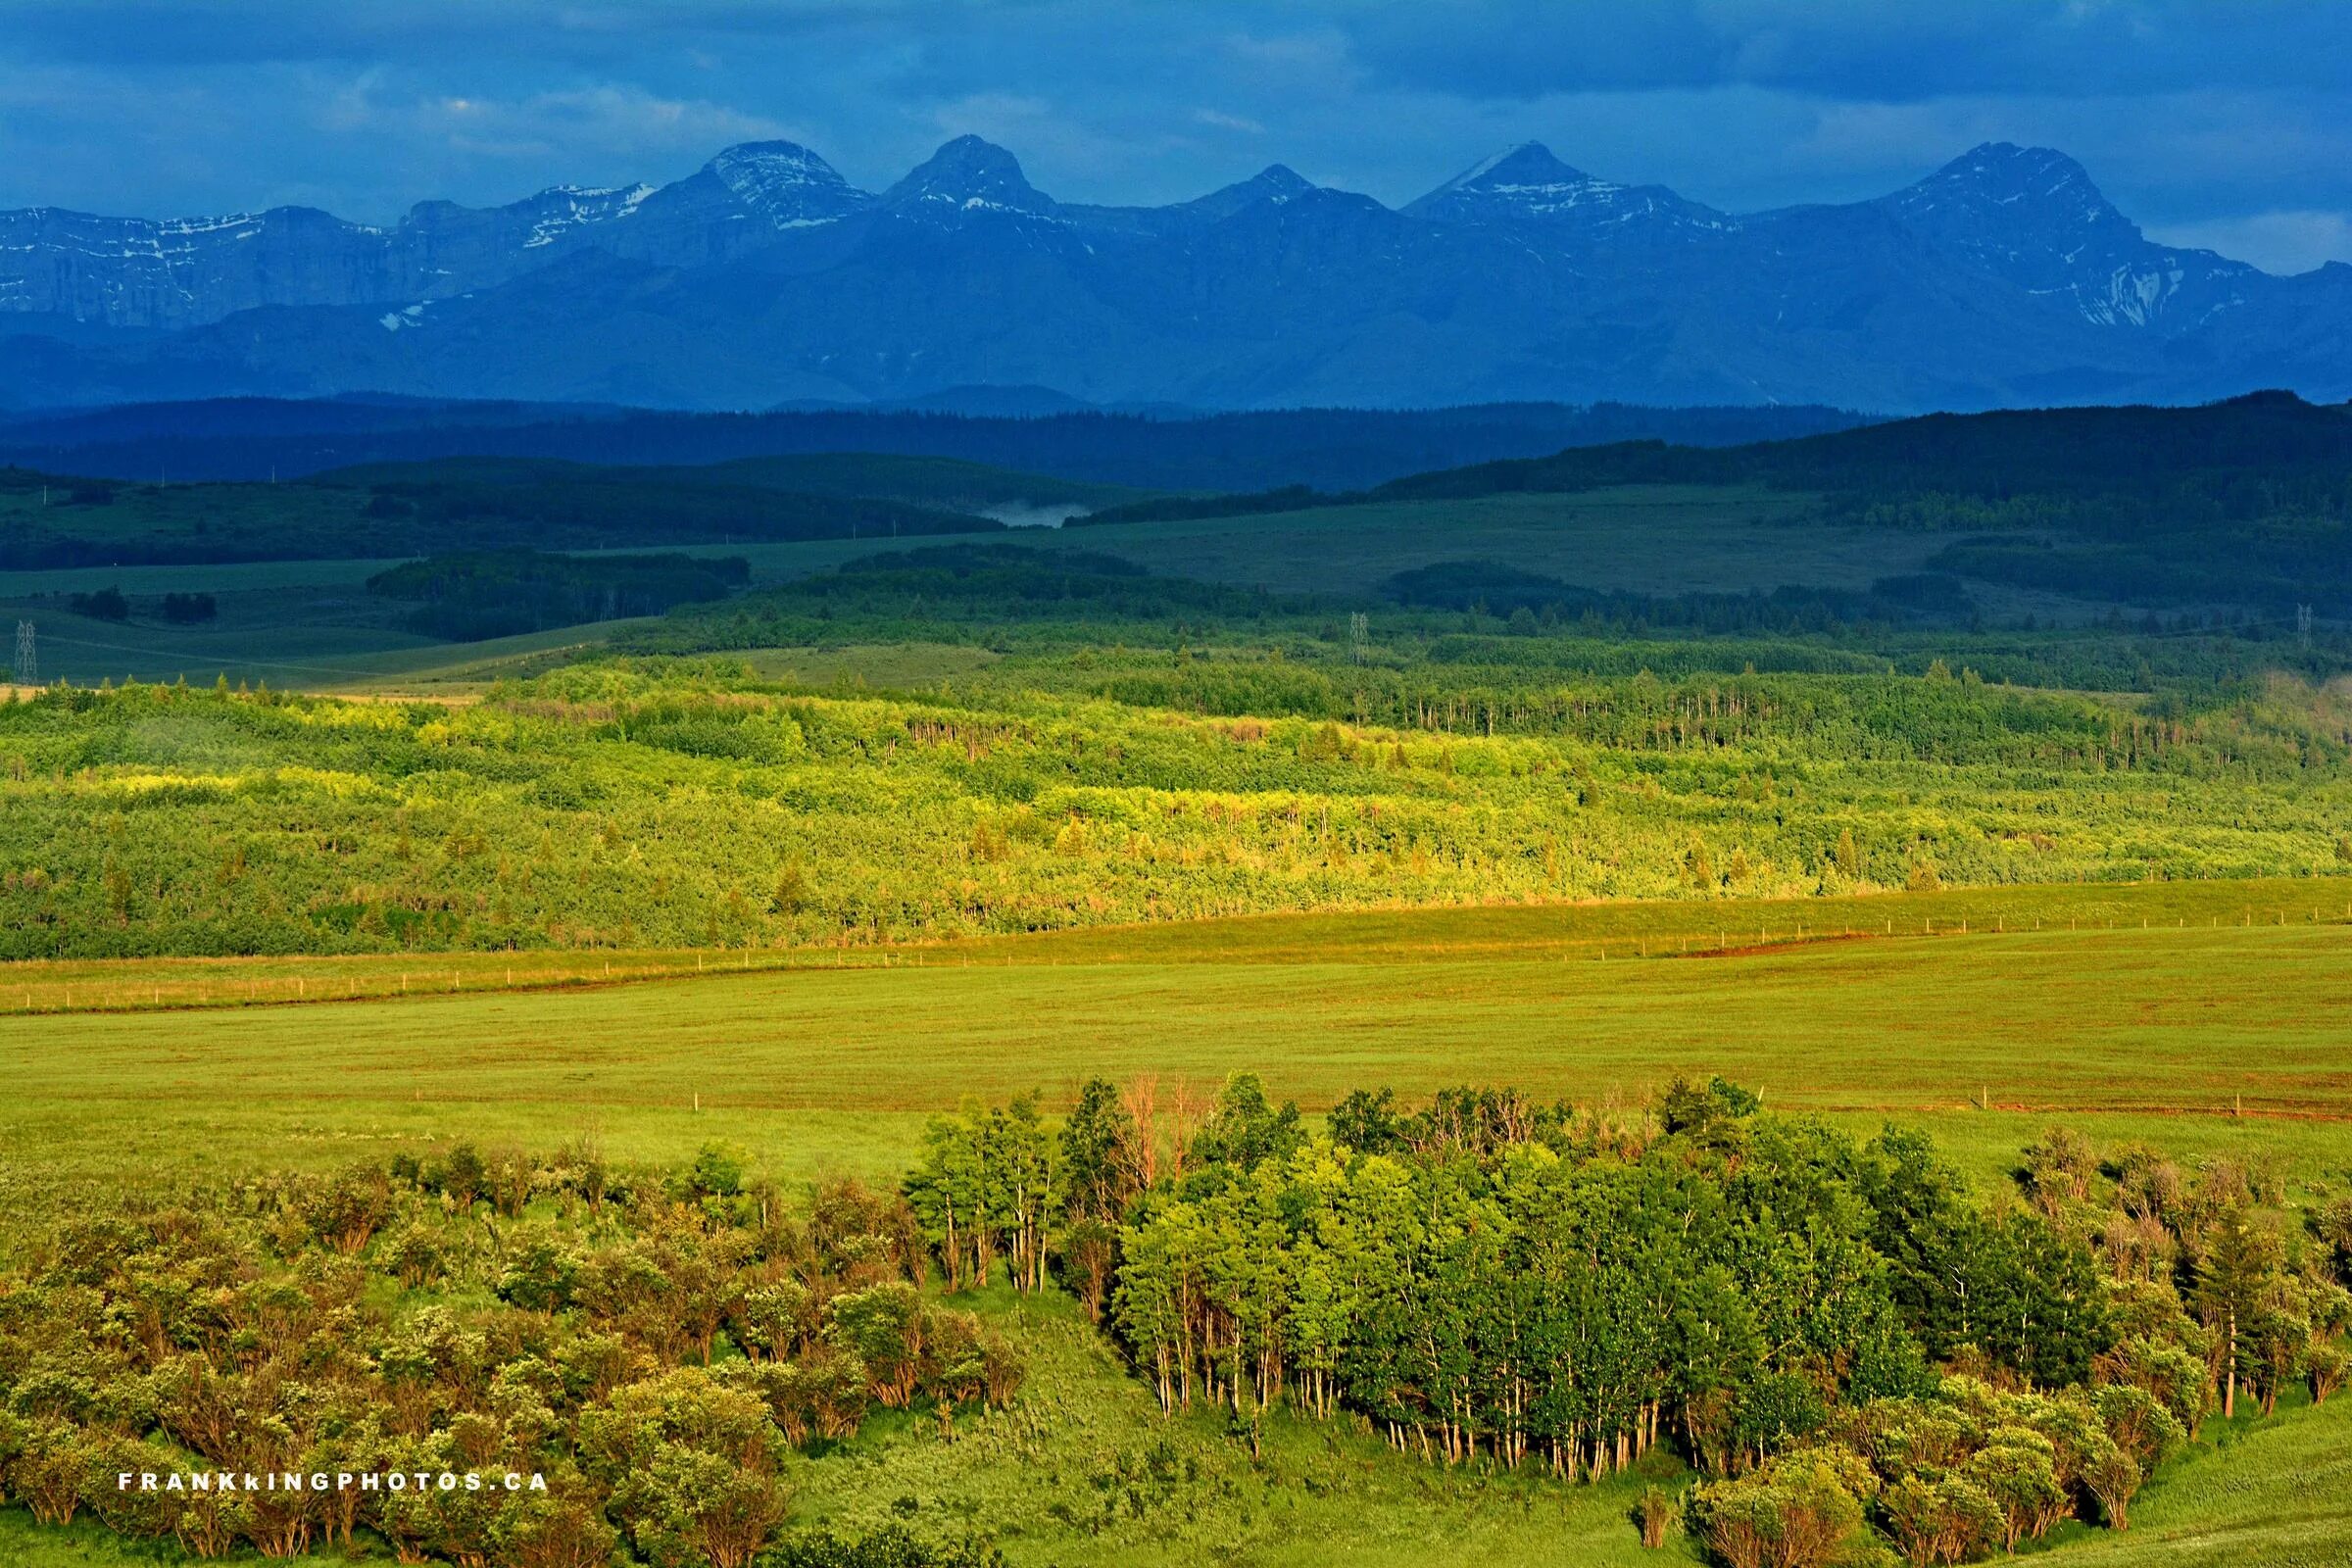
601	807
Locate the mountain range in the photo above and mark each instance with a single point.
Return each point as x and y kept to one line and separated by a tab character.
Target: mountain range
766	279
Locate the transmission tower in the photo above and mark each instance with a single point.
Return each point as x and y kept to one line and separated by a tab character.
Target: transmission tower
1359	636
28	666
2303	625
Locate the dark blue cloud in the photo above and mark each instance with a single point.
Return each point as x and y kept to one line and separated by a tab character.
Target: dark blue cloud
2223	122
1863	49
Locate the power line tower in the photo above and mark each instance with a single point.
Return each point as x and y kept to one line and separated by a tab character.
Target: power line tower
1359	636
29	664
2303	625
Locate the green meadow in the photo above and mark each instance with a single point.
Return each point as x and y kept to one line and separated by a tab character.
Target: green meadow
2220	1039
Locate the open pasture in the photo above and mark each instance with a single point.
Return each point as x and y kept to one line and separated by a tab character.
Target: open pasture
2207	1037
1596	931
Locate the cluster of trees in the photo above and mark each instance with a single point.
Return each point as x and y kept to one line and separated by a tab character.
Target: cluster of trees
513	503
1524	628
692	806
950	591
110	604
500	593
644	1350
101	604
1849	1348
1534	604
1838	1337
2207	1293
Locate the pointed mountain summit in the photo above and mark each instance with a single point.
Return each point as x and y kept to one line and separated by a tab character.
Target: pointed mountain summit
1276	182
1527	168
2032	217
968	175
1525	183
785	183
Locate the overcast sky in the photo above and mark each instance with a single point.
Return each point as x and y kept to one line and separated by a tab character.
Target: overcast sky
2218	123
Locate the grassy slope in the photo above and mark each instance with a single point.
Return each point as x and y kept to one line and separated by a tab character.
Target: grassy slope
319	636
1659	539
1085	1471
2259	1494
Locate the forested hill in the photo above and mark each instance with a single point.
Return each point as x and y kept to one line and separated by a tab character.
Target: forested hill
1331	449
2006	452
55	520
2245	503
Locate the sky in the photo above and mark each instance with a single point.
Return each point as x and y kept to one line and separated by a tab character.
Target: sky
2225	124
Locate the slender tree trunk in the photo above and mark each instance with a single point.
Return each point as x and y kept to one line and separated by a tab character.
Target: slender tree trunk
2229	1386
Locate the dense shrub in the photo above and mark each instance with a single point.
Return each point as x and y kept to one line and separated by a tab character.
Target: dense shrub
651	1345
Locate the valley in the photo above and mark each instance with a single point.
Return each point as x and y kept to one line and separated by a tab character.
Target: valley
1079	965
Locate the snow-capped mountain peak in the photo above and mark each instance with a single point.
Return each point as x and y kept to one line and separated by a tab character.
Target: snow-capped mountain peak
2032	216
1525	180
968	175
561	209
785	183
1276	183
2015	185
1525	183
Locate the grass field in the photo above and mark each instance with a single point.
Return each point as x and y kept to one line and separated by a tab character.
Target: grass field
2204	1016
303	624
1542	931
2225	1038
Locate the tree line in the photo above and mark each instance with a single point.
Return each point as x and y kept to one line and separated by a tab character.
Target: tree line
482	594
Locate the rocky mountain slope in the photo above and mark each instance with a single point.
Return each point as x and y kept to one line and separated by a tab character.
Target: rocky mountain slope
2003	278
